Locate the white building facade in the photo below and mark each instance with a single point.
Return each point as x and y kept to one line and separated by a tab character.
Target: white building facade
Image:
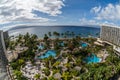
111	34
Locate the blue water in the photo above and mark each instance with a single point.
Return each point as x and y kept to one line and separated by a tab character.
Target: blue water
62	44
92	59
84	45
41	47
41	30
48	54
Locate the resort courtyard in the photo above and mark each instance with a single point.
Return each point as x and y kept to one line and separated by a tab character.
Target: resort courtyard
74	58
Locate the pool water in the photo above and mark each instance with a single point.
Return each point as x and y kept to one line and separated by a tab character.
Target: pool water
62	44
41	47
48	54
84	45
92	59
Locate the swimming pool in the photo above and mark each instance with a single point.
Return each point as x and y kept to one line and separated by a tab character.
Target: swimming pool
92	59
84	45
48	54
41	47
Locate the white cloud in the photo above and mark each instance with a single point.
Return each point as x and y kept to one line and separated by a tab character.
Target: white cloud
22	10
110	12
96	9
84	21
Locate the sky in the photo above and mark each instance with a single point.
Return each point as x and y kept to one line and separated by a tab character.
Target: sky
59	12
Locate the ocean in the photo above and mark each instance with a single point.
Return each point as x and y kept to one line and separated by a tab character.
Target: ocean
83	31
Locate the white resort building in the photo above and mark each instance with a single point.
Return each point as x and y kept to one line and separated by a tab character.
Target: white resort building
111	35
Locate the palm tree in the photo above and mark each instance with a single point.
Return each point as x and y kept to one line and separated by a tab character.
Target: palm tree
73	34
67	33
56	34
19	38
45	37
37	76
49	33
34	37
62	34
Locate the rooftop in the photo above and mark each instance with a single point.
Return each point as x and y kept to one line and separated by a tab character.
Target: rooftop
111	26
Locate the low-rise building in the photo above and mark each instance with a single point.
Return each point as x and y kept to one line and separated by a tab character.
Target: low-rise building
12	55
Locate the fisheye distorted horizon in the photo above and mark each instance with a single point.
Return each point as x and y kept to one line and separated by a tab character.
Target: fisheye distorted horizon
59	12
